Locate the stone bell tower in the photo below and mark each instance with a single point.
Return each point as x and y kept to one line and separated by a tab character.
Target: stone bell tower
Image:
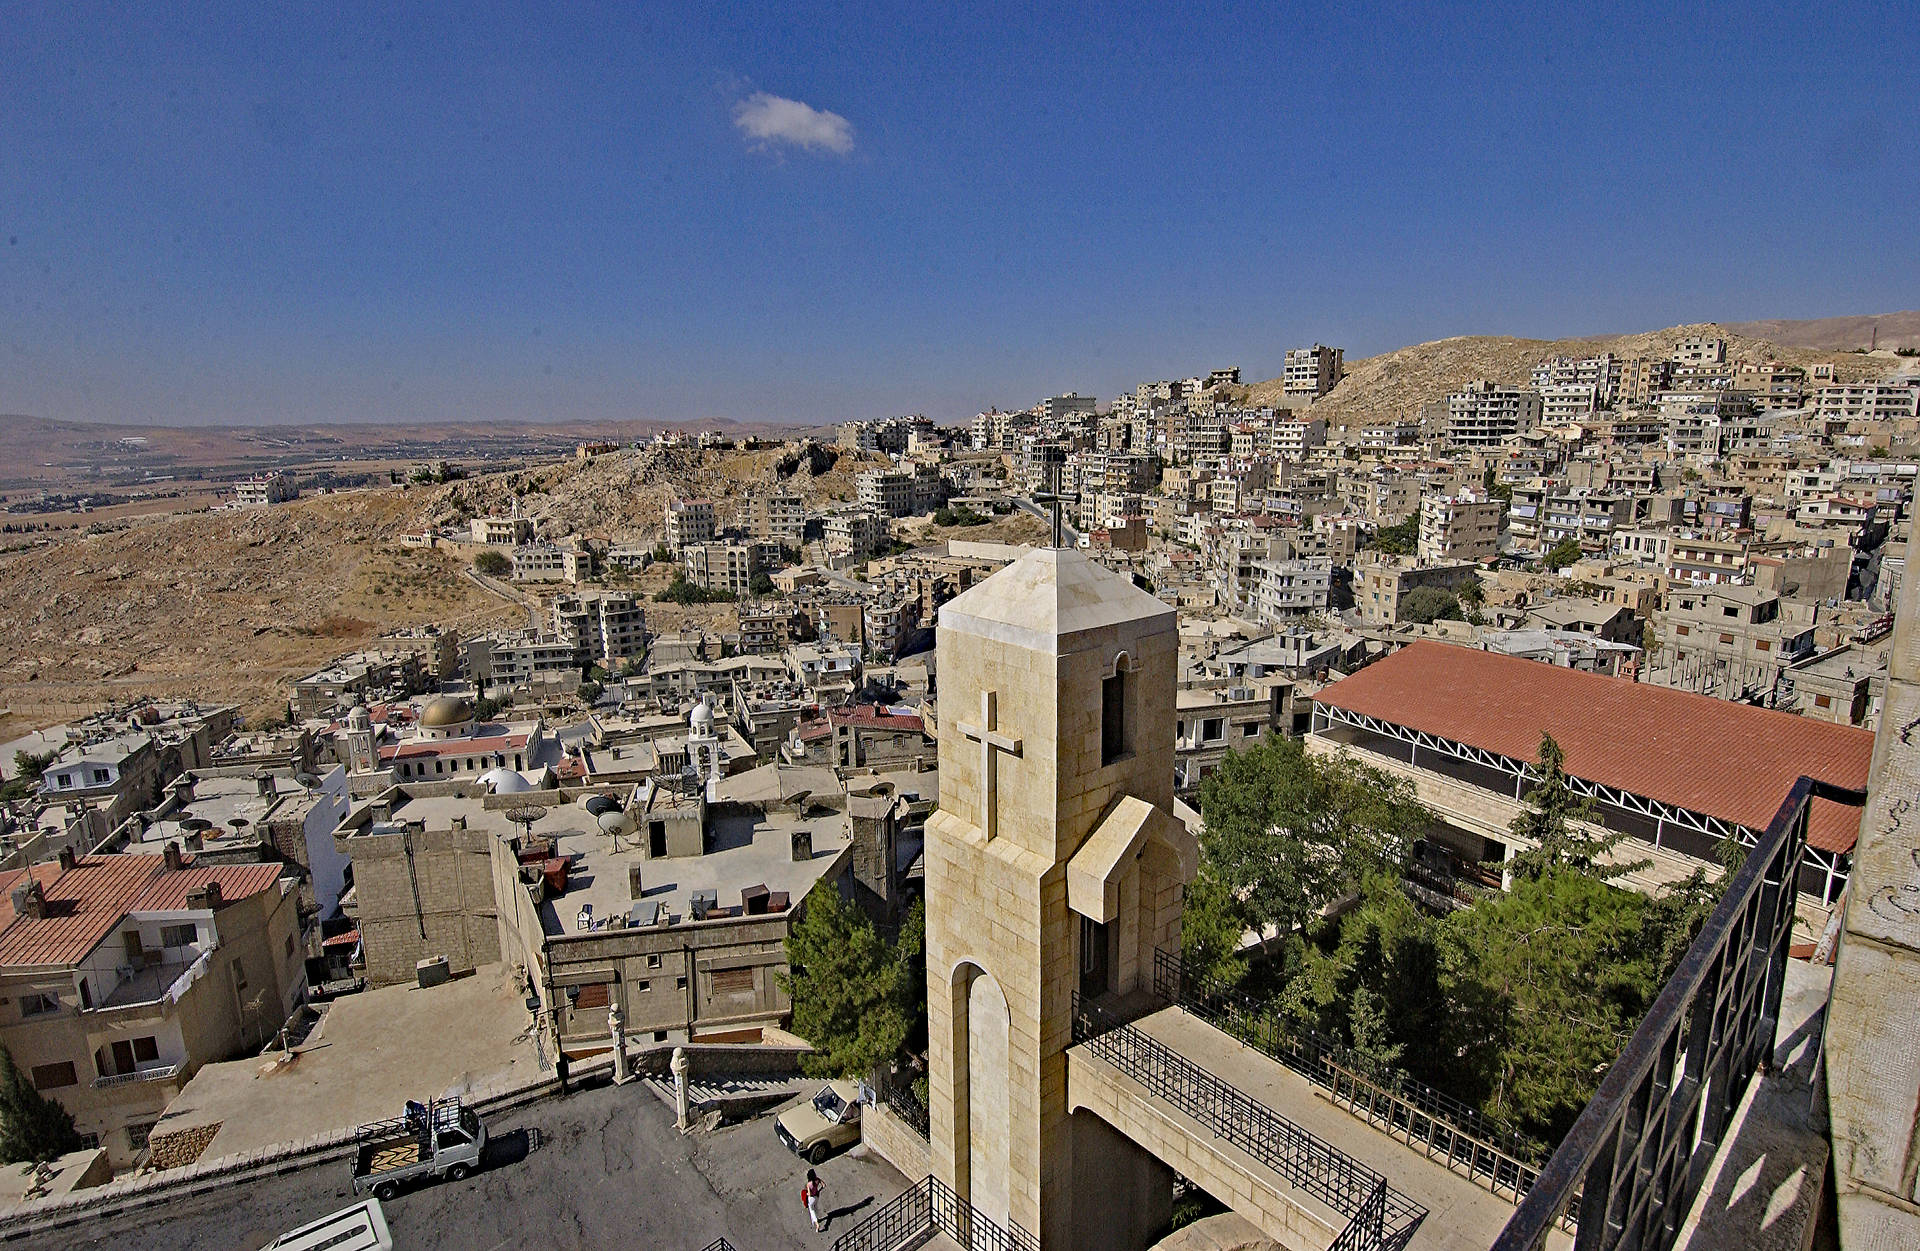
1054	866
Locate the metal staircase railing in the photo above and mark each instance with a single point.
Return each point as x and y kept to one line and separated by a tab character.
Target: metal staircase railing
928	1207
1379	1218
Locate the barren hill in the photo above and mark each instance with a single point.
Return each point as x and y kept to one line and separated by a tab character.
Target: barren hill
1838	334
1397	383
232	605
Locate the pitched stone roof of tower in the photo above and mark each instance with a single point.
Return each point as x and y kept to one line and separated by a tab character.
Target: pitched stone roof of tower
1049	594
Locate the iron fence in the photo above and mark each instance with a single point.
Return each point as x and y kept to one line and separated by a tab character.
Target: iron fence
1305	1161
1317	1057
896	1091
928	1207
1640	1151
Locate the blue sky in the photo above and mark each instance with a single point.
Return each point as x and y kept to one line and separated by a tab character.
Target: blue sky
661	212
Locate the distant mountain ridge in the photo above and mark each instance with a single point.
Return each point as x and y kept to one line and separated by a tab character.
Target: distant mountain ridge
1838	334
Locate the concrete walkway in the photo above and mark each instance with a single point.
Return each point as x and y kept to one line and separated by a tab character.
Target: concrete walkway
1461	1216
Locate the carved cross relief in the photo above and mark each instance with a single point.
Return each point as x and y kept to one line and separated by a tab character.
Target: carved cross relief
990	741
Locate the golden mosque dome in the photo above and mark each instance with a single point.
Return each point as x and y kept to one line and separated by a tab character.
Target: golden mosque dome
446	712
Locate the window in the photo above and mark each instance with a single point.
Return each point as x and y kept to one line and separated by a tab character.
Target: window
1822	701
1113	712
1253	729
597	995
1729	611
653	960
137	1135
679	983
146	1050
39	1003
1210	730
239	975
1683	631
1763	645
179	935
100	777
733	981
54	1076
643	986
1726	638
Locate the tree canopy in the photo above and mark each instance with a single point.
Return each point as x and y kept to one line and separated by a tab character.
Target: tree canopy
1548	822
1400	538
1288	833
33	1127
856	997
1430	603
494	564
1564	553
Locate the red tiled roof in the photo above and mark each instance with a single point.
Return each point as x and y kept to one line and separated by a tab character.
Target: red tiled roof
875	717
94	896
1726	760
1833	826
347	939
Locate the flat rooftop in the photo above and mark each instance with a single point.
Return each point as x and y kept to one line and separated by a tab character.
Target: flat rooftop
370	1054
742	851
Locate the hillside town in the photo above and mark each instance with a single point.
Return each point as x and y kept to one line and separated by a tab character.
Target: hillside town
593	838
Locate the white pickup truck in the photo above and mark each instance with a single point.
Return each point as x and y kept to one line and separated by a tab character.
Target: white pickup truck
441	1138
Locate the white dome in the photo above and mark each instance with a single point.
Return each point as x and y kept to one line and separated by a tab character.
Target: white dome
702	718
504	782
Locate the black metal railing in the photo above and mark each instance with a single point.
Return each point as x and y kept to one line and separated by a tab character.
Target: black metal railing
718	1244
896	1092
1639	1153
1378	1216
1445	1129
928	1207
1312	1054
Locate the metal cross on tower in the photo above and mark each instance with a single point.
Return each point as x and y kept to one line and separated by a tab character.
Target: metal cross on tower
1051	498
990	741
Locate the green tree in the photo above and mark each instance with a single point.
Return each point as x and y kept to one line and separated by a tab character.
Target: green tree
33	1128
1211	927
1400	538
1288	833
1564	553
590	691
492	563
1472	593
33	765
1424	604
1550	980
762	583
1549	823
856	997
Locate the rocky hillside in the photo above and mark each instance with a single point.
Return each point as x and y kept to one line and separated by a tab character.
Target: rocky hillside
232	605
227	605
622	496
1397	383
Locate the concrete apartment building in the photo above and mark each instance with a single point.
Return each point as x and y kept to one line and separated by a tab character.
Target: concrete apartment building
1867	402
509	531
520	659
1601	374
901	492
123	974
1642	378
1565	403
1834	686
551	562
1210	722
265	489
372	675
1283	591
778	517
1313	371
1701	423
1729	641
1700	350
1459	527
724	566
1382	584
603	628
1483	413
689	522
856	533
1676	772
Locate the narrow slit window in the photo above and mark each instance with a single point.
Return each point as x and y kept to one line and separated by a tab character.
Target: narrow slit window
1113	717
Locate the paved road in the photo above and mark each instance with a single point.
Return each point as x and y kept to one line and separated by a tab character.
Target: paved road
609	1170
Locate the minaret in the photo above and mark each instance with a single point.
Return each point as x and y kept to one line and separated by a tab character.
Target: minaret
1054	866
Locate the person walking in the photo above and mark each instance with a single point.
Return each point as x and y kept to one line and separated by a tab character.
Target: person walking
810	1195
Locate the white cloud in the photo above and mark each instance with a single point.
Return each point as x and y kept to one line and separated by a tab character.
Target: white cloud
769	119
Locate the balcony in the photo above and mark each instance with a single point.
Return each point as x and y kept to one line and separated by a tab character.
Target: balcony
161	985
164	1073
